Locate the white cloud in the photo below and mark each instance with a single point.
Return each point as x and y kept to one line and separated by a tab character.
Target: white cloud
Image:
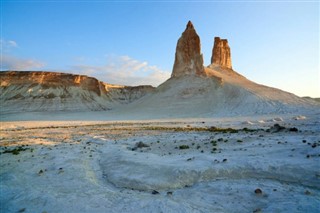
12	44
8	45
124	70
14	63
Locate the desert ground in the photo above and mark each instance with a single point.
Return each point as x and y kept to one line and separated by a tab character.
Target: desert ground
239	164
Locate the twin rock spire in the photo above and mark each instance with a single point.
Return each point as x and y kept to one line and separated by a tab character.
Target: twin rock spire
188	58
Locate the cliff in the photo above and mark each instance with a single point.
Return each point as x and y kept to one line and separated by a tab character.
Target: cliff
22	91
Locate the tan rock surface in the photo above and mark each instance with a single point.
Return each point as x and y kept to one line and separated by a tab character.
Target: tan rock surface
188	58
221	53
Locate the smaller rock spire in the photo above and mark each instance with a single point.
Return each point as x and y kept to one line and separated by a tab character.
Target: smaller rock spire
221	53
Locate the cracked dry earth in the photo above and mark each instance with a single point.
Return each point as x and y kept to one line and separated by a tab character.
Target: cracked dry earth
159	167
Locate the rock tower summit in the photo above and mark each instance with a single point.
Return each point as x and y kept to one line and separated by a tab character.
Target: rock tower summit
221	53
188	58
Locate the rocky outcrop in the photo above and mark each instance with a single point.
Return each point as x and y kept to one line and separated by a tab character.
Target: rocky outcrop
221	53
23	91
51	80
188	58
128	94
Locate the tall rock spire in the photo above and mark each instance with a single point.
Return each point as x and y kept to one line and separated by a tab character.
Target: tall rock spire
221	53
188	58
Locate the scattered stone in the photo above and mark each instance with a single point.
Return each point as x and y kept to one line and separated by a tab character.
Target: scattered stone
224	160
293	129
169	193
141	145
258	191
40	172
22	210
190	159
307	192
154	192
277	128
258	210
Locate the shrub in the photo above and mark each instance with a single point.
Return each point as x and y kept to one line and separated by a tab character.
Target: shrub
184	147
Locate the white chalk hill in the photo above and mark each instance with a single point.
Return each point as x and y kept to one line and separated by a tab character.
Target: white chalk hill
223	92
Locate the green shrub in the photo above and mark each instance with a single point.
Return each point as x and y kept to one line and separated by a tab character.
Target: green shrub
184	147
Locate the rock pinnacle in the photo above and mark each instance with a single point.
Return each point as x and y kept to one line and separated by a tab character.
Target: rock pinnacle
221	53
188	57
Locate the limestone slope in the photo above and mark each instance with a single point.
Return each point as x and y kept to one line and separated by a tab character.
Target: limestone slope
223	92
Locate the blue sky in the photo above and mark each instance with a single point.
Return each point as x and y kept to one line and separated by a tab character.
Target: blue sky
133	42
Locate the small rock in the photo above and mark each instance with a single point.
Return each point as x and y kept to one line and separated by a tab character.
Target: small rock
293	129
189	159
154	192
277	128
169	193
307	192
258	191
141	145
258	210
224	160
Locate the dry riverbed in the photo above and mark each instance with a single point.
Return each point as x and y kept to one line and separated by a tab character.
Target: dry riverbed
168	166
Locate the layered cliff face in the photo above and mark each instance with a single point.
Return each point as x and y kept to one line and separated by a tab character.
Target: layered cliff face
127	94
51	91
188	57
221	53
52	80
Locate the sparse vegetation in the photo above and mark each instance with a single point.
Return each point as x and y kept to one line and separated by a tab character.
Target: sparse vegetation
184	147
189	129
16	150
214	143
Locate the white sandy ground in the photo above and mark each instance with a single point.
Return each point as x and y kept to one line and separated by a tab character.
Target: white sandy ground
89	166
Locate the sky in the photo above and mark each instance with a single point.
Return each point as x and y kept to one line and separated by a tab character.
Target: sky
275	43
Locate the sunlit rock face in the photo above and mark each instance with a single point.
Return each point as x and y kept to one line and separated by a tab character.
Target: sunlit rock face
188	57
52	80
221	53
23	91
